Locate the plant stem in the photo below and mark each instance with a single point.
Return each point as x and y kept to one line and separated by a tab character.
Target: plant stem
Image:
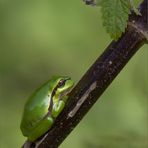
96	80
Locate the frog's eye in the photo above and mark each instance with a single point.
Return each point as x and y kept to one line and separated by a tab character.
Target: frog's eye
61	83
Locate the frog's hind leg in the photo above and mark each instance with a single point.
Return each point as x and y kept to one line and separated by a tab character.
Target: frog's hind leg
40	129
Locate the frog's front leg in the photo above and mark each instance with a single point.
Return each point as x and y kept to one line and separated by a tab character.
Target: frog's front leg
57	108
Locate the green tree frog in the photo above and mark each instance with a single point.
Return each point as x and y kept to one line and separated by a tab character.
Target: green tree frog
44	105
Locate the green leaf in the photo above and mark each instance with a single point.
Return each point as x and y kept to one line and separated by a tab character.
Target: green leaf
115	15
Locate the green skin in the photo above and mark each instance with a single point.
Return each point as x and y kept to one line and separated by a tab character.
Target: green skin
43	107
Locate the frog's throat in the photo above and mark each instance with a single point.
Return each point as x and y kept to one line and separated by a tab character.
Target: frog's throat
65	93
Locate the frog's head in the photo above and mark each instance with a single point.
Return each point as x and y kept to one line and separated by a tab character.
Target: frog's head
62	86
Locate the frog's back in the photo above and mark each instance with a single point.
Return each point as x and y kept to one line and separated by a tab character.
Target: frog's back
36	108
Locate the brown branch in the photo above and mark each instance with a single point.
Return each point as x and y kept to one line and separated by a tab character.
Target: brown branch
96	80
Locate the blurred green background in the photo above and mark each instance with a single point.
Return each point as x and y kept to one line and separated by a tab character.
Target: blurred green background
41	38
